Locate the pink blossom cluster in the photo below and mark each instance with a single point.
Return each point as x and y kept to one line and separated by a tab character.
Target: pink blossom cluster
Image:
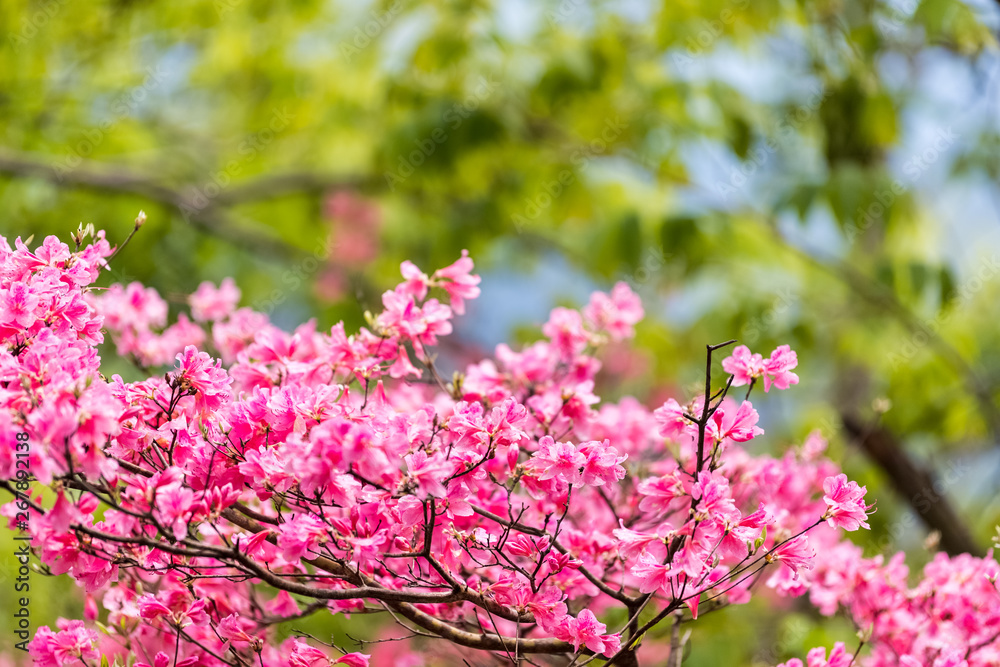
949	618
270	475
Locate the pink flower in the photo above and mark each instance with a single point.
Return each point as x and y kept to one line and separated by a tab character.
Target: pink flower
133	307
234	629
429	472
715	500
178	608
658	493
161	659
416	281
150	607
557	460
209	382
300	536
603	463
73	642
342	461
738	426
796	554
586	630
506	421
265	472
616	313
670	417
778	369
522	545
734	543
632	543
652	574
548	607
419	325
565	330
175	508
209	303
743	366
304	655
839	657
17	306
845	503
458	281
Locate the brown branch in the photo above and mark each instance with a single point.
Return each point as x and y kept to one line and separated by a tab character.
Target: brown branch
538	532
282	185
208	215
459	590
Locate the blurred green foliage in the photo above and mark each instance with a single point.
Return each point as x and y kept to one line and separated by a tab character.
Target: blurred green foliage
768	171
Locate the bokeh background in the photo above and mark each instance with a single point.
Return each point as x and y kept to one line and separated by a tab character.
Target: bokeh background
822	173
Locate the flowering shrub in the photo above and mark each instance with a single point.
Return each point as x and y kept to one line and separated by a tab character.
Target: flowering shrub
272	475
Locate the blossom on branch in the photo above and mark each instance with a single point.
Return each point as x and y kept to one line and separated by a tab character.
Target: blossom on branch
506	509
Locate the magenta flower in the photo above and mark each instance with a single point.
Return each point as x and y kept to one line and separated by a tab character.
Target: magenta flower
615	313
796	554
459	282
209	382
565	330
559	460
743	366
652	574
17	306
429	472
839	657
738	425
586	630
778	369
301	536
603	465
73	642
416	281
234	629
845	503
209	304
304	655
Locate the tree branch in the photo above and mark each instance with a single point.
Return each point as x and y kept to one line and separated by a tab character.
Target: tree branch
207	214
